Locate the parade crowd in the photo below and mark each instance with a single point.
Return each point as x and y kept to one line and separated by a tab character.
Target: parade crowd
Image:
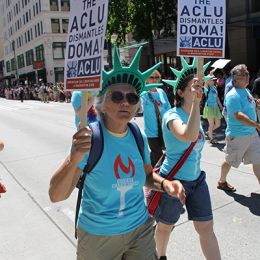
113	160
43	92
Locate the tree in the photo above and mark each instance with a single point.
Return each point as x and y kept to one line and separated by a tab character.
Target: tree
119	23
153	19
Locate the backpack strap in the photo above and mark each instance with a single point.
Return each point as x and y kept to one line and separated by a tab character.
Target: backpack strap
97	146
138	137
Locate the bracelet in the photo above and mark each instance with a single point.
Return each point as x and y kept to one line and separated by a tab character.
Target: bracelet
162	187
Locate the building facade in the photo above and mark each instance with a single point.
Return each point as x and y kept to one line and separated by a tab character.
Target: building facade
35	33
243	32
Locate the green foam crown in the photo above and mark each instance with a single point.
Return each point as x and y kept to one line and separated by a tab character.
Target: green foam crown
185	72
129	75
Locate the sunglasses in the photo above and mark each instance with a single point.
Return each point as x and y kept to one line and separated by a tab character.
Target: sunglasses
117	97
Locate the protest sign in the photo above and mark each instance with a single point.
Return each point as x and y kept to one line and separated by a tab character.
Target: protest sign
85	42
201	28
220	64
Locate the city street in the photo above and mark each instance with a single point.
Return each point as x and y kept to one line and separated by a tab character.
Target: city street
37	138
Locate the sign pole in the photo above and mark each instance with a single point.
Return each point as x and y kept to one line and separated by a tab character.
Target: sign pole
83	110
200	68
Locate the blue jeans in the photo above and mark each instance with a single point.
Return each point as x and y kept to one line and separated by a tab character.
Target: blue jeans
197	203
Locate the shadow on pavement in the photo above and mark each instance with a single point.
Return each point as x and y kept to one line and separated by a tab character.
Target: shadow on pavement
252	203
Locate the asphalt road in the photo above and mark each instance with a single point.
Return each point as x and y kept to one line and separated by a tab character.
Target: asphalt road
37	138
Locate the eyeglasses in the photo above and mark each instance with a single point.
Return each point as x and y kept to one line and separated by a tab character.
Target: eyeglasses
117	97
155	77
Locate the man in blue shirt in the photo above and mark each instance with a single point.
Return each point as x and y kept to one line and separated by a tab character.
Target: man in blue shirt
242	140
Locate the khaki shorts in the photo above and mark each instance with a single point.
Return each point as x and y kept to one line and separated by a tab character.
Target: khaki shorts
244	149
138	244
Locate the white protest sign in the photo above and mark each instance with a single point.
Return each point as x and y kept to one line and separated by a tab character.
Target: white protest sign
220	64
201	28
85	41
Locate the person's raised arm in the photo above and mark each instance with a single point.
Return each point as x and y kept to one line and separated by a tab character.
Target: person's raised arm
189	132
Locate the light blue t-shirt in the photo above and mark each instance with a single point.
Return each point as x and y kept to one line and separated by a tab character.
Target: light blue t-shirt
76	103
175	148
228	87
150	119
239	100
212	94
113	197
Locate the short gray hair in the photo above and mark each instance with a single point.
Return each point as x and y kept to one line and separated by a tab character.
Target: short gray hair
239	70
100	101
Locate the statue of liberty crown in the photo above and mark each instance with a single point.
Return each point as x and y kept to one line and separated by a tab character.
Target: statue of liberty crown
129	75
185	72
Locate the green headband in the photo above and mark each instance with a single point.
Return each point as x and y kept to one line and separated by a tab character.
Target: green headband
130	75
185	72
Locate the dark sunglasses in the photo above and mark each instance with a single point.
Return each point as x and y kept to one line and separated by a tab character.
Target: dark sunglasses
118	97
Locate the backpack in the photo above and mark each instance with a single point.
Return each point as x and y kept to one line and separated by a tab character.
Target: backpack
97	141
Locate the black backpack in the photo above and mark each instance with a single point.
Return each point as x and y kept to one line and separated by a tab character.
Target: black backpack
95	154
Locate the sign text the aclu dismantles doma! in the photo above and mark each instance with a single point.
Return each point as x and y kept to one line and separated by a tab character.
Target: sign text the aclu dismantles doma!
201	28
85	41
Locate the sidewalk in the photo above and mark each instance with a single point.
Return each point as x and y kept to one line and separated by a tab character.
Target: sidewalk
26	231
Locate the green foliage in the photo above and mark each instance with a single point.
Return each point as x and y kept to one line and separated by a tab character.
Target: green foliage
119	20
154	17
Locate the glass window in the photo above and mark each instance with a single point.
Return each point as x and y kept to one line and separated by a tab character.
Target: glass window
20	61
58	49
65	25
39	50
54	5
29	57
256	6
65	5
8	66
13	64
55	25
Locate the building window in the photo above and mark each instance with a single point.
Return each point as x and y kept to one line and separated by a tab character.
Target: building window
39	50
54	5
29	57
38	27
55	25
58	49
8	66
20	61
41	28
65	25
65	5
13	64
59	74
256	6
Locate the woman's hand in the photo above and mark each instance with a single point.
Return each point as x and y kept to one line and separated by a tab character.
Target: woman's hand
81	144
197	90
175	189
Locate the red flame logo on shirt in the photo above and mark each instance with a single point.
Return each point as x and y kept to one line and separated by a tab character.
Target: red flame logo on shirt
119	164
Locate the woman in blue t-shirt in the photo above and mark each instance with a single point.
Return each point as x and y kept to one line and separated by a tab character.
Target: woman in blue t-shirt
181	126
211	110
154	102
113	220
